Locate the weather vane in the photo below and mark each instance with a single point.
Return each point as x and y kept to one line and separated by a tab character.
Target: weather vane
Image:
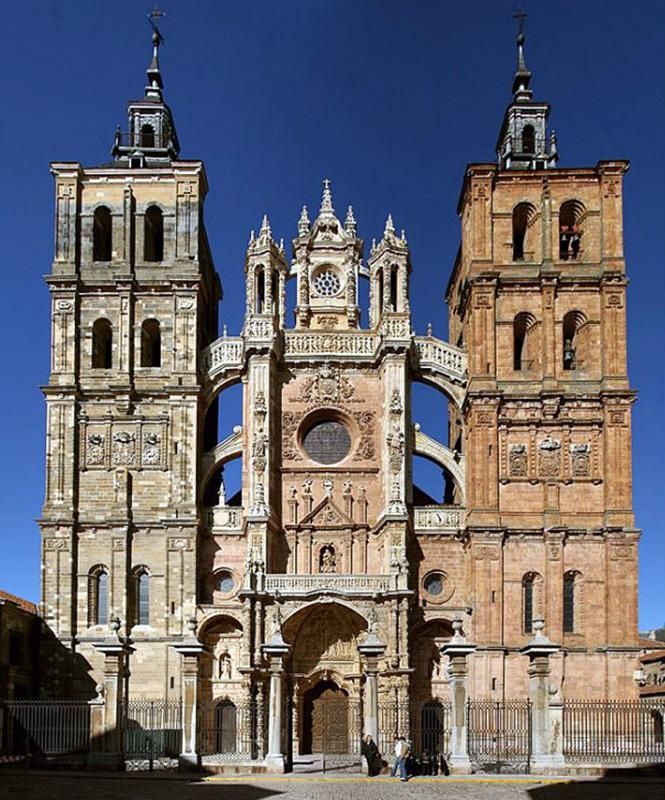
520	16
153	18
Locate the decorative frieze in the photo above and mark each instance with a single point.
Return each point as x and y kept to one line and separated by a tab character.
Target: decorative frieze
325	582
437	518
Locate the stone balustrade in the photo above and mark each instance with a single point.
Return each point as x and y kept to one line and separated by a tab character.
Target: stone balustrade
304	344
224	519
437	518
290	585
224	353
440	356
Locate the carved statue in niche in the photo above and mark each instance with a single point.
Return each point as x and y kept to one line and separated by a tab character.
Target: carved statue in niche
327	560
327	486
518	461
395	440
224	668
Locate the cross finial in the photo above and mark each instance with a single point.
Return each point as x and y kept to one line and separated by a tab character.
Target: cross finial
520	16
153	18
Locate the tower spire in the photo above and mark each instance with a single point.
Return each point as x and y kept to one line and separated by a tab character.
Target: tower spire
522	78
523	138
326	200
151	137
155	84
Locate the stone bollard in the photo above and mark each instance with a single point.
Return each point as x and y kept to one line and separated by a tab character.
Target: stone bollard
458	650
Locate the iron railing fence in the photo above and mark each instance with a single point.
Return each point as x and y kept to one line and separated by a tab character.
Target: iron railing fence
499	735
611	731
151	733
227	731
394	721
45	728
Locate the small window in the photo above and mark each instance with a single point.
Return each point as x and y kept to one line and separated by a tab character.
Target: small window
434	583
102	234
154	234
102	344
147	136
569	581
528	139
151	344
527	589
142	596
98	596
327	442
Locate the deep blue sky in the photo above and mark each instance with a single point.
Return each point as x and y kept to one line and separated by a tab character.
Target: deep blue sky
389	99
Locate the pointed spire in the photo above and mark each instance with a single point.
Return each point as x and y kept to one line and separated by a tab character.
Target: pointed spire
303	222
522	79
390	228
265	234
155	83
326	200
403	237
350	222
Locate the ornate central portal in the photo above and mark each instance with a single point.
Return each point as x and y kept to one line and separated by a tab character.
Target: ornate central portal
326	719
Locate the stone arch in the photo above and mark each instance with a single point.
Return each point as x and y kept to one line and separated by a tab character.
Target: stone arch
222	634
426	658
524	215
453	392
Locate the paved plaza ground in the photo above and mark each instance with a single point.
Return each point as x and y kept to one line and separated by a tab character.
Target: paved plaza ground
62	786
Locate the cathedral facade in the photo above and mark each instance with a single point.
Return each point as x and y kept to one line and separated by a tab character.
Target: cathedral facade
331	579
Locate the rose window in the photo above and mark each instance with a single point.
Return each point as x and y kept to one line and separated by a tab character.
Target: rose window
327	442
327	283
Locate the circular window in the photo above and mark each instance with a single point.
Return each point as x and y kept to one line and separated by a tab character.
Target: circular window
327	442
225	582
327	283
434	583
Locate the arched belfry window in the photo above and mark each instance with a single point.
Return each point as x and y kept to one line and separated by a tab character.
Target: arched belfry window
380	285
98	595
141	596
260	278
102	234
570	601
275	291
571	218
574	355
154	234
523	214
528	139
522	327
147	136
151	344
102	344
394	276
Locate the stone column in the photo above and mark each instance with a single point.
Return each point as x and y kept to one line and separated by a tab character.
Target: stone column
274	652
190	649
106	720
458	650
546	752
371	650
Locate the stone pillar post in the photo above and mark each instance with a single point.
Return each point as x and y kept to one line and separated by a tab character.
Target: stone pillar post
260	720
107	717
546	752
458	650
371	650
190	649
274	652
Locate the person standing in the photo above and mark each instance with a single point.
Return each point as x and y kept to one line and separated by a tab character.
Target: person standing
401	753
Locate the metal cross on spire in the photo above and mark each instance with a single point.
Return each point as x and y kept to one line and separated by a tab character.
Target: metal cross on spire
153	18
520	16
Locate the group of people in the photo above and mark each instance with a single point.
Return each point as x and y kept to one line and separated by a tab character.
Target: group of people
404	761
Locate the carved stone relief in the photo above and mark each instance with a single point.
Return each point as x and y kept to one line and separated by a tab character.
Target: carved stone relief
580	458
365	449
518	461
123	449
549	457
327	386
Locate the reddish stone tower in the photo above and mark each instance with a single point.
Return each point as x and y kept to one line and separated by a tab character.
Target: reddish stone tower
537	298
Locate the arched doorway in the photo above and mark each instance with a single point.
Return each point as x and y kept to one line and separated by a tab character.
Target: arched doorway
325	719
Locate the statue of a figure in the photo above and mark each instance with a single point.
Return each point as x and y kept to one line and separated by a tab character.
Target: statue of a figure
224	667
276	628
327	485
327	563
372	621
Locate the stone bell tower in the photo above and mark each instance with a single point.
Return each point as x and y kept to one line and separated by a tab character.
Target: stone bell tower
537	298
134	299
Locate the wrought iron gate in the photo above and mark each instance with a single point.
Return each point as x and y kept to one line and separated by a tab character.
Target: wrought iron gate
499	735
151	733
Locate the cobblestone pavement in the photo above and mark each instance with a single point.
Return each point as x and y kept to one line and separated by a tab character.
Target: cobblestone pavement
57	786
